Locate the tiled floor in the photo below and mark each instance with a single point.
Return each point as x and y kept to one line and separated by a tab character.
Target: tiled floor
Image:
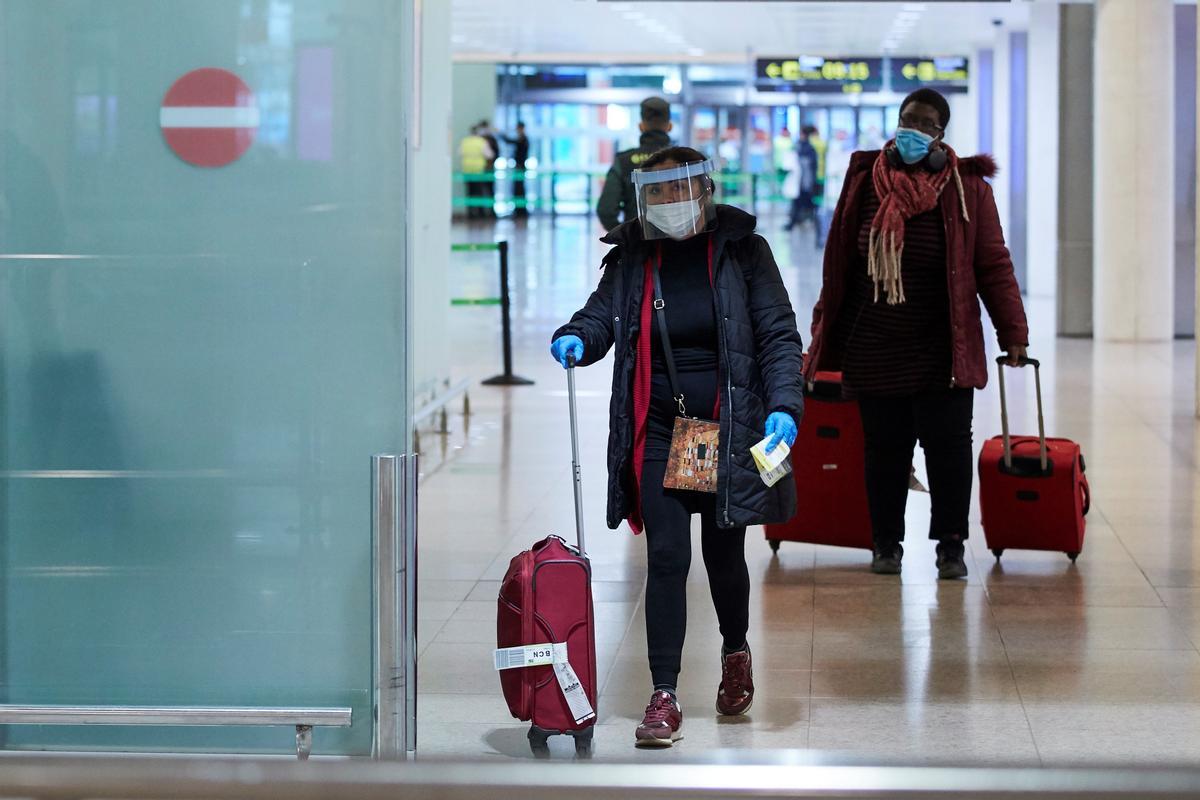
1034	660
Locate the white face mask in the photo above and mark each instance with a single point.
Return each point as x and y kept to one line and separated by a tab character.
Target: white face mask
677	220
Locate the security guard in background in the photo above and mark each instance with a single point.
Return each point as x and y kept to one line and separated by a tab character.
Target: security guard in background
618	194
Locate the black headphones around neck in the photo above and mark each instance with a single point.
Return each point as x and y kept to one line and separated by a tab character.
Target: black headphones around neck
935	161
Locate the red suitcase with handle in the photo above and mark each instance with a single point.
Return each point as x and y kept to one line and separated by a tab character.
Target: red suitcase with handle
546	634
1033	493
827	465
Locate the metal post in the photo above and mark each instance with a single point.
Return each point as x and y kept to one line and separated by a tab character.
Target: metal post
408	601
507	378
387	740
576	474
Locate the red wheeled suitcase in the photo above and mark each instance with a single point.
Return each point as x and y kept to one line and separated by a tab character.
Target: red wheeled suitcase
545	631
1033	493
827	465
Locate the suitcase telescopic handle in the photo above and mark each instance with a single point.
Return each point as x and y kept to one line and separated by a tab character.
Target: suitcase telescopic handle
576	476
1002	362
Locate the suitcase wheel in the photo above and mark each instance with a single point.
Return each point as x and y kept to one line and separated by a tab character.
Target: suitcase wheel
539	741
1073	556
774	545
583	743
997	552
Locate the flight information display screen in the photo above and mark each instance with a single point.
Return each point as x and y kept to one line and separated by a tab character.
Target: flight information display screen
819	74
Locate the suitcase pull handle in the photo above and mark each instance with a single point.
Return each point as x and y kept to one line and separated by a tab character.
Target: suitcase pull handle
576	476
1001	362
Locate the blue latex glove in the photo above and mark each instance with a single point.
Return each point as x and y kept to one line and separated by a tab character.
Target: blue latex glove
571	345
781	428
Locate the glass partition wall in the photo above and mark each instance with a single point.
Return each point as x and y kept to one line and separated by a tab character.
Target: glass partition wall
198	362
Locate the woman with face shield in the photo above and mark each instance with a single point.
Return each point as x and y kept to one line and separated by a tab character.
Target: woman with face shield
707	363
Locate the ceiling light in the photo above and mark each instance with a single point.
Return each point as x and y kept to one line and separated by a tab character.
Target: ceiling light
914	6
695	51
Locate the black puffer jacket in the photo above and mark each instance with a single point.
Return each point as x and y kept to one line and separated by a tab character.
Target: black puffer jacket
760	360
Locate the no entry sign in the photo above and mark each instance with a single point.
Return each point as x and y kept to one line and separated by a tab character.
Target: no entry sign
209	117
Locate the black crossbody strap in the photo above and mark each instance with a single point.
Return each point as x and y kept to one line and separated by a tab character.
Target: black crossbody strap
660	312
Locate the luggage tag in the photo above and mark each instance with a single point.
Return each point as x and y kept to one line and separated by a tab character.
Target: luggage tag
554	654
772	466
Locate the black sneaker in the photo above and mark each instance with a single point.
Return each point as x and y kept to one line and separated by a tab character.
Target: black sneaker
886	560
950	563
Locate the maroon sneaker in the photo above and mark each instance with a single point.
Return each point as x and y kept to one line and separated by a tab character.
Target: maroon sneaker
661	727
736	692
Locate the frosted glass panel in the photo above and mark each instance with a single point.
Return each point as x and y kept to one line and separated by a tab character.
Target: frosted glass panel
196	364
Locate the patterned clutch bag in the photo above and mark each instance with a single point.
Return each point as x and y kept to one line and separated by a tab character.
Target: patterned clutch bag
692	462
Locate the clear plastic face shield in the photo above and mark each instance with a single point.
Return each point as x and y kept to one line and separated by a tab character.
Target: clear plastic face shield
675	201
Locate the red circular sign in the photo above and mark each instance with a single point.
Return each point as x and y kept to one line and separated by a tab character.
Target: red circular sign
209	117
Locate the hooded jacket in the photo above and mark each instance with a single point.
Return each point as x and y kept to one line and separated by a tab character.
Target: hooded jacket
759	360
977	266
618	200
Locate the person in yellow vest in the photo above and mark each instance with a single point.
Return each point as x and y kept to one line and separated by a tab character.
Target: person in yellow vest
475	157
818	144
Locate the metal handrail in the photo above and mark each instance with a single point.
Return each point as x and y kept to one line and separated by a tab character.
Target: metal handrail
303	719
786	775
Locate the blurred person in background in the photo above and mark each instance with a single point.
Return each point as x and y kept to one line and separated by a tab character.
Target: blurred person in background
475	158
783	145
915	243
489	187
617	201
818	145
520	144
803	208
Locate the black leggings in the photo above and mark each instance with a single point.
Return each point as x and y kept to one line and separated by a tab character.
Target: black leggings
891	426
667	514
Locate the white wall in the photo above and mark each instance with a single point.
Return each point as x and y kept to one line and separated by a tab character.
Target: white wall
963	134
1042	195
1001	138
1134	208
429	201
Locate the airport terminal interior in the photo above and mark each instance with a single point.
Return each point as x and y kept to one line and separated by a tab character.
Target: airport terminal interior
278	284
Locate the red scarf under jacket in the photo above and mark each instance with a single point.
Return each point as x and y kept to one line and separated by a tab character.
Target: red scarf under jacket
903	193
641	383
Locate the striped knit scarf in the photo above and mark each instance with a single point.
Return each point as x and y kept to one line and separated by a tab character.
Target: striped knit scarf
903	193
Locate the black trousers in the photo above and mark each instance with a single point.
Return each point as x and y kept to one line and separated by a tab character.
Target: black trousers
667	514
518	193
941	420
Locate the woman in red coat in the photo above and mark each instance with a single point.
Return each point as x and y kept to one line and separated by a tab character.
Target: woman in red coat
915	242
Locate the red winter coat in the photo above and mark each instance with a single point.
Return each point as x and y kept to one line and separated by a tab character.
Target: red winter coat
977	266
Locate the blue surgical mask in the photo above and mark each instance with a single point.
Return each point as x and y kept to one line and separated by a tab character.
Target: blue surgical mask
912	144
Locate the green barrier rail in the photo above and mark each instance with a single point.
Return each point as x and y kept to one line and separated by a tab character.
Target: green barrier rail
475	301
474	247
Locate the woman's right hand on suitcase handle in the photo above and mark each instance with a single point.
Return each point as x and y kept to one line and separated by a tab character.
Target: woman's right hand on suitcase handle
1017	359
567	350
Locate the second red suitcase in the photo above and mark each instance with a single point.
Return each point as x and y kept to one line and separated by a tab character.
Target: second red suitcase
1033	493
545	633
827	465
